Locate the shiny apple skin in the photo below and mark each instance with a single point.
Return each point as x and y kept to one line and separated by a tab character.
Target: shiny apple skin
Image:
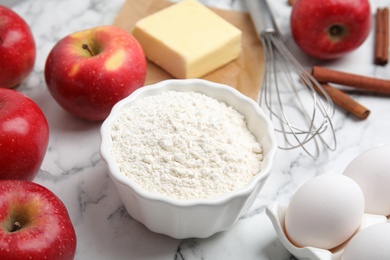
88	86
24	136
311	19
17	48
45	231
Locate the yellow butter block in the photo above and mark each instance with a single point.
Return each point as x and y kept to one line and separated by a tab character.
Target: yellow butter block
188	40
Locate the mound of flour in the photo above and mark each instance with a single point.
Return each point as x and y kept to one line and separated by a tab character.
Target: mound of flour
185	145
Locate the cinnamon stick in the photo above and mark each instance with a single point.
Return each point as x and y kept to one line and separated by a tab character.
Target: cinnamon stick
385	56
375	85
381	52
379	37
345	101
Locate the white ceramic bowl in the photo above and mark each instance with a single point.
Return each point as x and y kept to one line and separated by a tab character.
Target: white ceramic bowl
199	217
276	213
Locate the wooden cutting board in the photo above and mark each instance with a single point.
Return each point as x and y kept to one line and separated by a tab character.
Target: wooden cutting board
245	73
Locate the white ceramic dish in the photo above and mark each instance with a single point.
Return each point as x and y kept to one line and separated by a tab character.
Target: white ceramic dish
201	217
276	213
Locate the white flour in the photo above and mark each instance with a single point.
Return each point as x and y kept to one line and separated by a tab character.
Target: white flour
185	145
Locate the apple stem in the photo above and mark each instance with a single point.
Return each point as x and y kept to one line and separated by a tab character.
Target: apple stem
16	226
86	47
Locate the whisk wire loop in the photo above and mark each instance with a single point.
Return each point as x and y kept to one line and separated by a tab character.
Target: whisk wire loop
284	97
301	116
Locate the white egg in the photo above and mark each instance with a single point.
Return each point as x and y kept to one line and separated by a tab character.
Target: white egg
371	170
324	212
370	243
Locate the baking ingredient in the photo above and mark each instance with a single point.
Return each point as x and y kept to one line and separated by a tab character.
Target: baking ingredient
17	48
370	243
185	145
34	223
371	171
330	29
381	36
324	212
24	136
188	40
87	72
363	83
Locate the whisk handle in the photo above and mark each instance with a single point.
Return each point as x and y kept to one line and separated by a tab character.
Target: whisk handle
262	16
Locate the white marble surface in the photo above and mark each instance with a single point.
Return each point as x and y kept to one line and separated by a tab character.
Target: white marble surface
74	171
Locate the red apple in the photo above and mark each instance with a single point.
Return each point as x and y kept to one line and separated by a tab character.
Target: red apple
17	48
89	71
24	136
330	29
34	223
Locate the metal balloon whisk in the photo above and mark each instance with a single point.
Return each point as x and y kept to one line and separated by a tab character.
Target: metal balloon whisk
298	106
